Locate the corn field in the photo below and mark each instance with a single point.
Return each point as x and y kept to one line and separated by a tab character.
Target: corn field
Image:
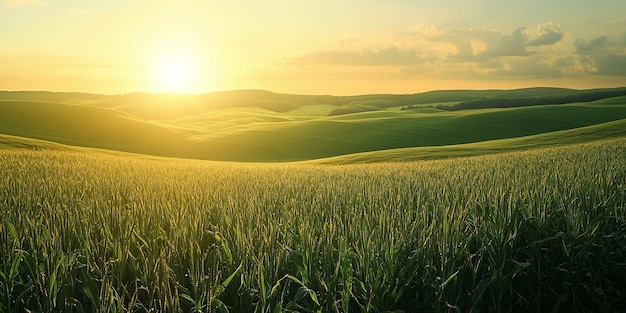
535	231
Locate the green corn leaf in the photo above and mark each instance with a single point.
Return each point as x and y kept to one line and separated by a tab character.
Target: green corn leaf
227	281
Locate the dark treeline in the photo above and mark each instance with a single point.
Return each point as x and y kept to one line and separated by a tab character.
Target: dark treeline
584	96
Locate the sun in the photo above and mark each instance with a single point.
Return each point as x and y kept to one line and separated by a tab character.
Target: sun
179	72
176	73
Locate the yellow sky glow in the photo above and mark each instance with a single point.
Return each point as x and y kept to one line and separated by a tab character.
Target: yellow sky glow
311	47
178	67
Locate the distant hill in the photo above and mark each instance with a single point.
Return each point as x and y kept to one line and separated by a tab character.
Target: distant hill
267	127
64	97
499	102
169	106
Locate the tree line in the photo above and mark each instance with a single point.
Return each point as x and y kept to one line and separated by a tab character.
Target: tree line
584	96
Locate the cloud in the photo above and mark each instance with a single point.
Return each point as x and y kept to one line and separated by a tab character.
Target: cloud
389	56
608	64
477	44
601	56
546	34
17	3
429	52
583	47
444	70
532	67
429	44
505	45
525	67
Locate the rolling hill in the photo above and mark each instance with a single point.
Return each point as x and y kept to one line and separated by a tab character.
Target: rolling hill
599	132
86	126
260	126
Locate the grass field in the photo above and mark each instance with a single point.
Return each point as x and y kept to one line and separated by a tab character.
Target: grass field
541	230
519	209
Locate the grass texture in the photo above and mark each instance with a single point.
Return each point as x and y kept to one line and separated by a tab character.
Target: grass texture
541	231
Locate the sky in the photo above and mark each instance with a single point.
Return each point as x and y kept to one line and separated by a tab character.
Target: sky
340	47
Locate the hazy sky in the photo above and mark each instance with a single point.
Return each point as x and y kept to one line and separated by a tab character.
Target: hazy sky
313	47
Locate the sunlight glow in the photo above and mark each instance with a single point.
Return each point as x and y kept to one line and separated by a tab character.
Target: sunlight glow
176	73
179	71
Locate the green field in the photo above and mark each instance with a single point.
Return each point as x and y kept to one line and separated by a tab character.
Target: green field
256	126
524	231
137	203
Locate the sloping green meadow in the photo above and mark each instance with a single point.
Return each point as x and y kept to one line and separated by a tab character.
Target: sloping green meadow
535	231
256	134
591	133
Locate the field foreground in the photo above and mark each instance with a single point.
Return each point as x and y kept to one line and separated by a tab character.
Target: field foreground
541	230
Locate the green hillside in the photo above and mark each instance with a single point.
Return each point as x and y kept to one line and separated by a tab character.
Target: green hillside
88	126
604	131
63	97
599	132
251	128
16	142
332	136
